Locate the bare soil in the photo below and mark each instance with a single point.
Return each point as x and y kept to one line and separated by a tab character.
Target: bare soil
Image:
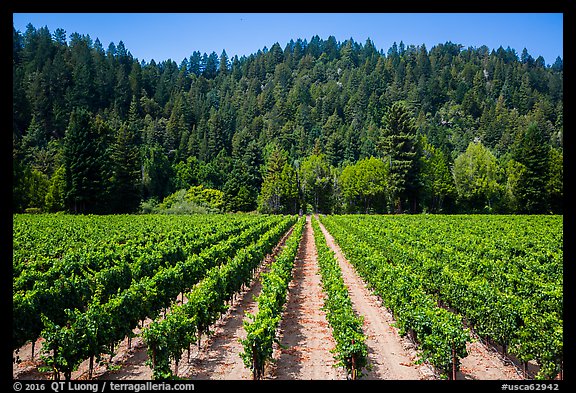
217	358
486	363
304	334
393	356
220	359
128	362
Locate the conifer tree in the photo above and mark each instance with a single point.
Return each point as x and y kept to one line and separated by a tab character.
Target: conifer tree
533	152
399	145
85	164
279	193
127	171
321	96
224	65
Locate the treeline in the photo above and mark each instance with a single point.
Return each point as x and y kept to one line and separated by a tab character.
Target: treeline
319	125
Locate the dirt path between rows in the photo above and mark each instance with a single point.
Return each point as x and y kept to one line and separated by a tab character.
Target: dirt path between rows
219	355
220	358
217	358
484	363
393	356
305	336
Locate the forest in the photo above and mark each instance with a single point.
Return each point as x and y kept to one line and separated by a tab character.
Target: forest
312	125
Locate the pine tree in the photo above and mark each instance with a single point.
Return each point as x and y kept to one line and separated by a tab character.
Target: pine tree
158	176
224	65
533	152
270	199
85	164
211	66
555	185
127	176
35	139
399	145
311	97
239	191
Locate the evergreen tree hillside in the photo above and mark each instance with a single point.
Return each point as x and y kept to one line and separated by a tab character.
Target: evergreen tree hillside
300	125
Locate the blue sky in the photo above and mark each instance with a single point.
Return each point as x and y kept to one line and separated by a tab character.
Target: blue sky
162	36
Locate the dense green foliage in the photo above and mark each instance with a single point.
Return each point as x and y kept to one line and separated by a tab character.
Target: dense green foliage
262	327
97	131
351	350
167	338
440	334
503	275
84	290
84	282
